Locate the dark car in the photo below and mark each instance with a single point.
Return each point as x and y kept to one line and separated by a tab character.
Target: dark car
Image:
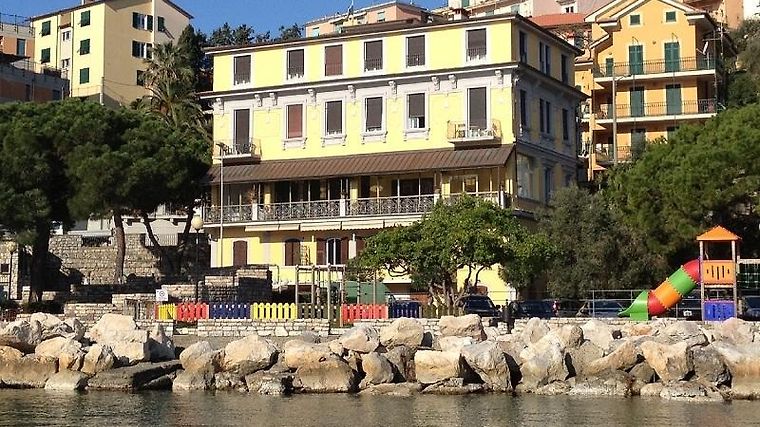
566	307
528	309
480	305
689	308
751	305
600	308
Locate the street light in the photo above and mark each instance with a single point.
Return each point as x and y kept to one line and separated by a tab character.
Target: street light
197	224
222	149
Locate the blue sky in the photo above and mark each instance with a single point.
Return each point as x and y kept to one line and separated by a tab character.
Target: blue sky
262	15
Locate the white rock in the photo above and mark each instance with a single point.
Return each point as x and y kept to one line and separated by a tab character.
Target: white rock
66	380
200	358
534	330
488	361
161	346
402	331
297	353
99	358
435	366
361	339
329	375
248	355
671	362
598	333
462	326
454	344
377	370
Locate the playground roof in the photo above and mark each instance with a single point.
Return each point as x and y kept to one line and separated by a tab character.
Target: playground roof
718	234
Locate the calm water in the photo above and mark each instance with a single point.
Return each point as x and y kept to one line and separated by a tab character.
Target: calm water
37	407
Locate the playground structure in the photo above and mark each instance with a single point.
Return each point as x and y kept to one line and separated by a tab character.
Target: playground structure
716	278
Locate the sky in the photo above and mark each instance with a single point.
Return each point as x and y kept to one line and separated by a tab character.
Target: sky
262	15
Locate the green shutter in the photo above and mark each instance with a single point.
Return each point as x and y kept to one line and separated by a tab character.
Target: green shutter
45	56
85	19
161	24
636	59
673	99
84	47
135	20
150	23
45	30
84	75
672	57
636	95
609	67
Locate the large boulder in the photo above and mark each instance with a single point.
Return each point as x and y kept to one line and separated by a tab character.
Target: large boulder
463	326
598	333
22	335
130	347
248	355
623	358
736	331
435	366
671	362
229	381
543	363
394	390
132	378
160	345
534	330
332	375
688	332
66	380
608	383
743	363
709	368
580	358
297	353
200	358
401	359
377	370
68	352
361	339
403	331
269	383
99	358
193	381
30	371
570	335
489	362
108	327
454	343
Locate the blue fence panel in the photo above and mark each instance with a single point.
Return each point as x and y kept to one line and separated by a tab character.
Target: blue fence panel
719	310
404	309
230	311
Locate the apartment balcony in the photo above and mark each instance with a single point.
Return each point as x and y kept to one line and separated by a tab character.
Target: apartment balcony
604	154
469	135
696	65
239	149
338	209
655	111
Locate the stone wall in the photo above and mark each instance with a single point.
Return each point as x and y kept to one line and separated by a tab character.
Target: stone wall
105	293
242	289
245	327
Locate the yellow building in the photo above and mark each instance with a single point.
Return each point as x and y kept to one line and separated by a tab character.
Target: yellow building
103	44
323	141
655	65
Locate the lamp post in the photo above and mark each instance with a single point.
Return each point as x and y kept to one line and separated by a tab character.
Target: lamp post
197	224
222	149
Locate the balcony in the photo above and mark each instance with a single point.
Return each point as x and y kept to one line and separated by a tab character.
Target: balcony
296	72
336	209
654	67
603	154
373	64
417	60
462	134
240	148
476	53
654	111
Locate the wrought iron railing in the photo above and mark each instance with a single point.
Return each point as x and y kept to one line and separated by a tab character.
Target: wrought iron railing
653	109
461	131
604	153
391	205
373	64
415	60
242	78
476	53
299	210
239	147
656	66
295	72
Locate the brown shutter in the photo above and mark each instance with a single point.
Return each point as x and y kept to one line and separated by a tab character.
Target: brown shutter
242	126
417	105
239	253
373	50
295	121
415	51
321	251
292	252
334	117
359	245
476	39
242	69
374	114
344	250
295	62
333	60
477	107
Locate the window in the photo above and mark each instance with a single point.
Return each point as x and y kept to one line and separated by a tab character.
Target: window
542	126
242	71
477	109
142	22
295	121
523	47
21	47
673	99
334	118
415	107
335	251
569	9
638	136
84	75
636	59
65	35
5	268
636	97
523	109
242	131
609	67
548	183
373	114
565	75
56	95
565	125
541	60
548	59
45	30
381	16
670	16
635	19
45	55
65	63
525	176
84	18
315	32
292	252
142	50
161	24
295	64
476	44
672	56
373	55
415	51
140	79
578	40
84	47
333	60
545	116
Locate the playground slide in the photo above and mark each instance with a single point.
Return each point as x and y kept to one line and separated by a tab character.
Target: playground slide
668	294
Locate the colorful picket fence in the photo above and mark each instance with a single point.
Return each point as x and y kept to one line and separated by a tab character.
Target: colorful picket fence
189	312
269	311
229	311
351	312
166	312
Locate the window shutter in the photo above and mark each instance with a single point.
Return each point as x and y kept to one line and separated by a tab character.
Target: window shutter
359	245
333	60
374	112
295	61
343	250
321	251
476	39
373	50
477	107
242	125
135	20
417	105
135	49
150	23
295	121
334	117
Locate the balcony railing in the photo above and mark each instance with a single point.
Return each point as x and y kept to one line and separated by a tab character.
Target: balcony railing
240	147
461	132
654	109
604	153
373	64
295	72
476	53
656	66
242	78
342	208
415	60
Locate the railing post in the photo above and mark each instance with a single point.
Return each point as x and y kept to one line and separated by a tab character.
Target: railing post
254	211
342	206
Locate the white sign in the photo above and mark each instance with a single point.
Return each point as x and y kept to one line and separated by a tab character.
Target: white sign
162	295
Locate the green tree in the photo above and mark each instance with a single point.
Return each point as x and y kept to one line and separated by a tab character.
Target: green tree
742	89
293	32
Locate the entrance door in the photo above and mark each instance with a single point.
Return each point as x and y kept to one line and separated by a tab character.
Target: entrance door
673	99
636	95
239	253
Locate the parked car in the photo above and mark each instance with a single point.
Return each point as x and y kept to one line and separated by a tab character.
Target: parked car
528	309
480	305
600	308
566	307
689	308
751	305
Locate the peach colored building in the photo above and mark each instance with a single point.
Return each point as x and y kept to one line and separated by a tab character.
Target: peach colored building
385	12
24	81
16	35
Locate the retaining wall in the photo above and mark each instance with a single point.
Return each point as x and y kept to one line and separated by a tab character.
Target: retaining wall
245	327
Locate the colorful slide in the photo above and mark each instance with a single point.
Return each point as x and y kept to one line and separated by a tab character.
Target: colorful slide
668	294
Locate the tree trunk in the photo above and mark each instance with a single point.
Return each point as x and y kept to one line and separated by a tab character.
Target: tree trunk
121	247
39	262
154	241
184	238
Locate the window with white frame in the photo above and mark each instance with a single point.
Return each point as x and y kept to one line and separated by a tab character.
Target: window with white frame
295	64
333	251
415	51
242	70
373	114
477	109
569	8
525	176
142	22
66	35
333	118
141	50
416	118
476	44
294	119
373	55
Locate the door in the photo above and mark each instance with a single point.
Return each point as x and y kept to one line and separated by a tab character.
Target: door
636	59
672	57
673	99
609	67
636	96
239	253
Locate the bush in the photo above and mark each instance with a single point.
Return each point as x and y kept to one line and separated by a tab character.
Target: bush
8	305
51	307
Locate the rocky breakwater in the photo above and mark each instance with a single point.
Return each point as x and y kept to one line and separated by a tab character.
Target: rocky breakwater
47	352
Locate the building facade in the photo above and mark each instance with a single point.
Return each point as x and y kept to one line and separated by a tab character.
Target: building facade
385	12
322	142
16	35
103	44
22	80
458	9
656	65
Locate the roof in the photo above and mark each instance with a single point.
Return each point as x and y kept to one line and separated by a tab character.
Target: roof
94	2
718	234
558	19
365	164
339	15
